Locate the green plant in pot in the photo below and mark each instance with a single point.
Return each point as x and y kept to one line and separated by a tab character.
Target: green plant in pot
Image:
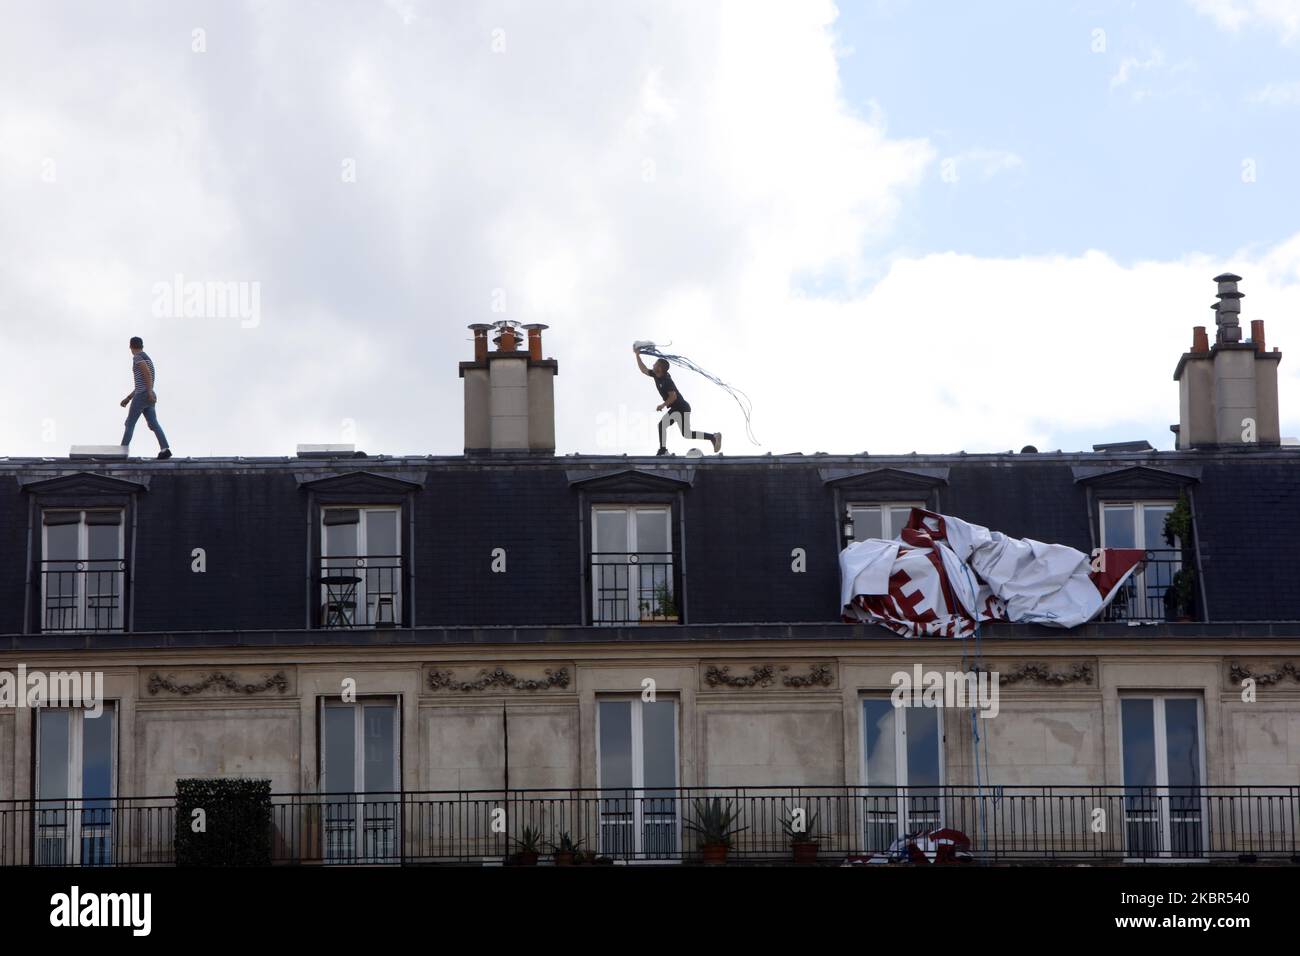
802	832
1178	524
666	604
1180	596
715	824
566	850
528	847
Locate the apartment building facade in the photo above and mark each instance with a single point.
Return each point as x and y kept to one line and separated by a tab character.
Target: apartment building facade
427	655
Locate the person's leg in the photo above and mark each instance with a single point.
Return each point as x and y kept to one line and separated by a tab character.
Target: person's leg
151	419
663	431
694	436
132	416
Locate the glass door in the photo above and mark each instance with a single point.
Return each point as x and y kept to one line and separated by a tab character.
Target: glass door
1162	740
359	781
361	567
639	817
901	771
75	784
632	565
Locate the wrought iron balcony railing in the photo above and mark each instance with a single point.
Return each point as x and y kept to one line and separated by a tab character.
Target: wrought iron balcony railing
633	588
360	591
1003	824
83	595
1159	590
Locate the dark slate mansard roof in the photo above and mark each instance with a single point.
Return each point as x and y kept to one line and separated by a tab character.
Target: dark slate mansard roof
742	518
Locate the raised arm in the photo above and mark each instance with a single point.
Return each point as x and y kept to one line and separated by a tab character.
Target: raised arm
640	364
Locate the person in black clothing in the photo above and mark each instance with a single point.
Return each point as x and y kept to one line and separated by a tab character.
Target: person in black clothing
679	410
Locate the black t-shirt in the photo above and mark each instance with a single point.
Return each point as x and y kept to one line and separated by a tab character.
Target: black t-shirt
665	384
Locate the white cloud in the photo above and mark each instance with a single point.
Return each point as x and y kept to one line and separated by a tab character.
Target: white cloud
1276	94
986	163
1130	66
646	175
1231	15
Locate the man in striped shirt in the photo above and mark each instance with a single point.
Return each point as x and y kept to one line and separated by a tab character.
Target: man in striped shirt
142	399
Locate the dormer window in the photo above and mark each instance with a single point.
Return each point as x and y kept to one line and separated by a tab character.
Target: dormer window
1140	524
361	567
361	549
876	503
634	573
632	578
879	519
1128	506
83	570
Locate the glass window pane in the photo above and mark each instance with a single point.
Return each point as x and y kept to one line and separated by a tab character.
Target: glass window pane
615	743
103	542
1153	522
54	731
659	743
341	540
922	746
898	520
611	532
1118	527
867	524
338	724
380	729
1137	718
1183	743
97	755
652	531
381	533
61	542
878	742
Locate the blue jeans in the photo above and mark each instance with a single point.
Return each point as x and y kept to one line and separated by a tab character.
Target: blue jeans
140	404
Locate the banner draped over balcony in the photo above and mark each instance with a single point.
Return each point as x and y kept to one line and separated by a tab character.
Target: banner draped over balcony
943	574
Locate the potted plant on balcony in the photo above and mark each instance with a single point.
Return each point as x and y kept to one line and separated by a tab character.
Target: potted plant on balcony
527	847
566	851
803	840
1180	596
663	607
1178	524
715	822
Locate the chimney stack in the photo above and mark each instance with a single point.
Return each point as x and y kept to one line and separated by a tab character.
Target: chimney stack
509	393
1227	393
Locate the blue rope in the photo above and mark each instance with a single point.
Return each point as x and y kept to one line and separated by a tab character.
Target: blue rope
976	736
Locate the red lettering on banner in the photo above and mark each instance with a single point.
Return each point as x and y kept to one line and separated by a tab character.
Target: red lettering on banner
908	602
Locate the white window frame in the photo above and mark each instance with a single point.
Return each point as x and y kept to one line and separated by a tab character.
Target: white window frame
362	558
1139	506
638	772
630	512
83	548
72	828
1139	579
902	812
1161	748
888	531
390	814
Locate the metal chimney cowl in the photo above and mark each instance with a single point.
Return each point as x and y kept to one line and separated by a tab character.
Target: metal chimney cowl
509	392
1227	392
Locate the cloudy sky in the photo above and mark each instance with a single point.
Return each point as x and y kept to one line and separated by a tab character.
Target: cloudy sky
897	225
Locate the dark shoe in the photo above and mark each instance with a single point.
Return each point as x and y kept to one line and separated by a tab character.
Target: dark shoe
662	451
165	453
717	442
